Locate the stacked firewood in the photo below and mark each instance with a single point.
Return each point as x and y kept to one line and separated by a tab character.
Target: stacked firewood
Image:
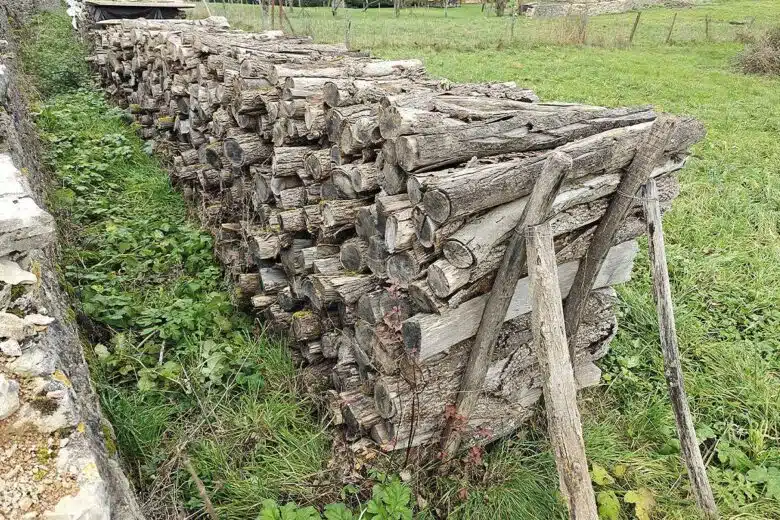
363	208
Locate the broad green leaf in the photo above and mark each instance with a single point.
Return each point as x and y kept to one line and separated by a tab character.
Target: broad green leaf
770	477
609	506
601	476
337	512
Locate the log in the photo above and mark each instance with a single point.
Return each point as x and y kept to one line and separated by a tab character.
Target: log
246	149
560	388
305	326
368	307
377	256
536	211
341	212
317	164
406	266
638	172
366	222
431	335
288	161
537	127
662	291
353	255
399	231
452	193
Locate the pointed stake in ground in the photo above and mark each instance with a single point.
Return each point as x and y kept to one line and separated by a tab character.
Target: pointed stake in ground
536	210
636	175
672	368
559	385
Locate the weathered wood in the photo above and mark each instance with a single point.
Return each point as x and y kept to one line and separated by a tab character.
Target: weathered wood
341	212
377	256
638	172
406	266
288	161
536	127
306	326
560	388
399	231
452	193
431	334
662	291
353	255
366	221
246	149
536	211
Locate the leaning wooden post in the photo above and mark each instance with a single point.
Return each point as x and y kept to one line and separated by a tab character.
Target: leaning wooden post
559	385
636	175
536	209
633	29
671	28
672	367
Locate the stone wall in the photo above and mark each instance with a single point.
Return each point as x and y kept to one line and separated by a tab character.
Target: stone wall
57	453
554	8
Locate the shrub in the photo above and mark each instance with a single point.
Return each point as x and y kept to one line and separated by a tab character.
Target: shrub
763	55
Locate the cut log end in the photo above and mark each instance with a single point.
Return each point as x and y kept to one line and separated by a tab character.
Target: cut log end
458	255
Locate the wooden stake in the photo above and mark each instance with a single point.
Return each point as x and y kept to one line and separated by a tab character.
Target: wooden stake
544	192
636	175
671	28
672	368
707	27
559	385
633	29
207	505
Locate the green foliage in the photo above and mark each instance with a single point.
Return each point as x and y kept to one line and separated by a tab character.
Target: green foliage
177	367
390	500
609	505
50	54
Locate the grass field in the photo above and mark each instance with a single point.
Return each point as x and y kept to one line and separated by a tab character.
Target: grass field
722	237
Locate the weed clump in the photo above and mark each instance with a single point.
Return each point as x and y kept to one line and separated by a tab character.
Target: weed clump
762	56
52	56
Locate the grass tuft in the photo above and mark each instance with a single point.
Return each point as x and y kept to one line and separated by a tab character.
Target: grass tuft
762	56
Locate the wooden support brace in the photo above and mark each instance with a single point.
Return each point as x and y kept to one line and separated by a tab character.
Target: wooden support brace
558	383
638	172
672	368
536	210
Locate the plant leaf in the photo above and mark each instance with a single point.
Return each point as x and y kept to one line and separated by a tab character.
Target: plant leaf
601	476
609	506
643	501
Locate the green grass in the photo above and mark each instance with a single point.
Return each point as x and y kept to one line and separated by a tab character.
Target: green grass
722	240
180	371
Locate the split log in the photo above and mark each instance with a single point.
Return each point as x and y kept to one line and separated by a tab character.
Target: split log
430	335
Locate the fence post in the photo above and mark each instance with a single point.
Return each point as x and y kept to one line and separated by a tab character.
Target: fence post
633	29
671	28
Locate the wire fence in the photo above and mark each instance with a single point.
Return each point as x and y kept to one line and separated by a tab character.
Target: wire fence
475	27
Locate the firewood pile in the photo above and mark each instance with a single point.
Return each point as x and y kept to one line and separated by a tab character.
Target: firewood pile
363	208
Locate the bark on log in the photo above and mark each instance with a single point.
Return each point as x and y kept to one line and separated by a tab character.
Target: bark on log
639	171
430	335
560	389
246	149
662	292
